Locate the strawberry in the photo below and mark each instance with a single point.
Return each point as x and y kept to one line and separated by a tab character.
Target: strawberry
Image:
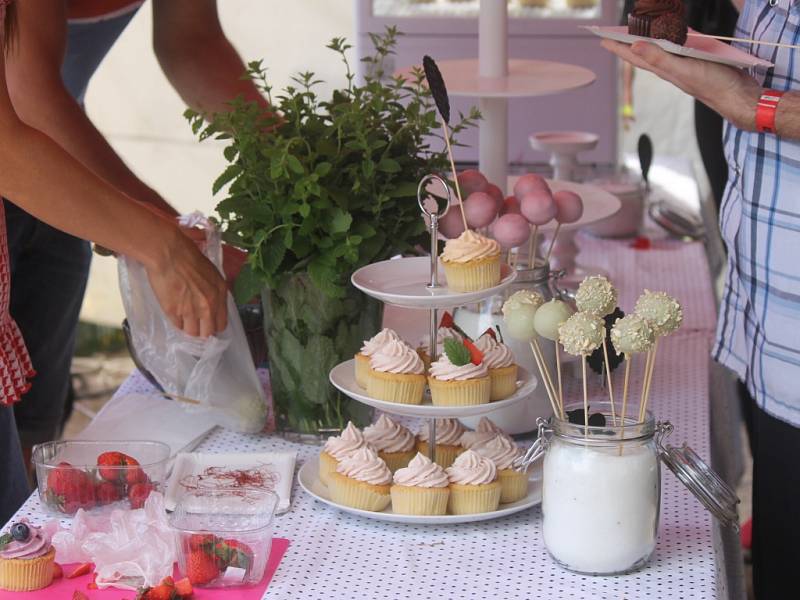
82	569
58	572
183	588
202	541
106	493
78	595
138	493
160	592
490	332
69	489
168	581
201	568
447	320
475	354
235	553
112	467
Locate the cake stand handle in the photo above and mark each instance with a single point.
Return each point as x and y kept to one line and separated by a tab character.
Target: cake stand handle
432	439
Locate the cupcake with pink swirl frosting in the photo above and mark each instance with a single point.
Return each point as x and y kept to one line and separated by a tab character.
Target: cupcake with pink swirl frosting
370	347
460	377
500	361
485	431
474	487
448	434
395	444
421	488
337	449
396	374
26	558
503	452
362	481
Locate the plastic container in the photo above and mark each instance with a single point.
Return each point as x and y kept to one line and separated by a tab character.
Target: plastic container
69	477
224	535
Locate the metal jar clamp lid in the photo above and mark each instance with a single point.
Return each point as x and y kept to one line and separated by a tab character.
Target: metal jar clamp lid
704	484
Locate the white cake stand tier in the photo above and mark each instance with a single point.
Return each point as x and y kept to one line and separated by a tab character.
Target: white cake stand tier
308	477
343	378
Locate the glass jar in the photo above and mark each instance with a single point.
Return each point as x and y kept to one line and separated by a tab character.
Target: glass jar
601	489
474	319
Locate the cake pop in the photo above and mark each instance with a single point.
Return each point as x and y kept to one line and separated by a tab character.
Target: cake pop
470	181
596	295
480	208
549	318
452	225
519	321
523	298
581	334
538	207
569	206
497	194
530	183
632	335
511	230
511	206
661	311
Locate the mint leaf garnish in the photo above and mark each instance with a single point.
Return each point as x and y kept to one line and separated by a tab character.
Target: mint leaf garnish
5	539
457	352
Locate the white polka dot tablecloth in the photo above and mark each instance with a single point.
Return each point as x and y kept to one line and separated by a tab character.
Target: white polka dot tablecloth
337	555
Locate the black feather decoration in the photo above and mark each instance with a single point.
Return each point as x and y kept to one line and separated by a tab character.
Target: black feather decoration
437	87
595	360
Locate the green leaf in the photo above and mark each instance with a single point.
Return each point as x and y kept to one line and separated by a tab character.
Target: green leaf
387	165
5	539
247	285
228	175
294	164
457	353
341	221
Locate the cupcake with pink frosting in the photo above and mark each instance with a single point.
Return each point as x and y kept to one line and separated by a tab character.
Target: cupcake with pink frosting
26	558
421	488
448	435
337	449
362	481
460	377
395	444
396	374
370	347
474	487
485	431
503	452
500	361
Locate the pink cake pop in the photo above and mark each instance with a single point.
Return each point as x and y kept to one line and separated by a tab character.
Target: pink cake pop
470	181
530	183
511	230
538	207
569	206
510	206
452	225
480	209
496	193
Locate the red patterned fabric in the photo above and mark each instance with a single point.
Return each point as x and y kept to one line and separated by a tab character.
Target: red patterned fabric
15	364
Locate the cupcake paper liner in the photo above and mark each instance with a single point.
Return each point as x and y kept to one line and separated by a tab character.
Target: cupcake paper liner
470	499
358	494
514	485
327	465
504	382
27	574
397	460
362	369
401	388
474	275
411	500
460	393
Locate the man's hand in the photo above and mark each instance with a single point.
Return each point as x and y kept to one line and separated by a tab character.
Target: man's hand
731	92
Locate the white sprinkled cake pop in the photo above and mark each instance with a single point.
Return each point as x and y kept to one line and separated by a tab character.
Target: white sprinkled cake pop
549	318
523	297
631	335
582	333
596	295
661	311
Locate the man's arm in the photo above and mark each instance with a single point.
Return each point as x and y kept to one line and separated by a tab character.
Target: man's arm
33	72
731	92
197	58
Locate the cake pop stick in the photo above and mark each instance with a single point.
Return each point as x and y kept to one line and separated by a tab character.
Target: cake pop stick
538	208
581	335
648	380
585	398
610	384
560	387
569	209
547	320
626	381
545	371
532	247
547	385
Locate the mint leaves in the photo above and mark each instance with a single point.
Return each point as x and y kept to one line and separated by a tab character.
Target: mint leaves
5	539
330	184
457	353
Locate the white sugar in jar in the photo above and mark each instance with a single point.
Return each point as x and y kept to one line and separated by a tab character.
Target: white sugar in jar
601	495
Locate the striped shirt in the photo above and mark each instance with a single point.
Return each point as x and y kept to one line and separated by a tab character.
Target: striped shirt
758	333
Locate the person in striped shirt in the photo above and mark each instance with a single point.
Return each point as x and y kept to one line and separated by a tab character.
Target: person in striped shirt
759	317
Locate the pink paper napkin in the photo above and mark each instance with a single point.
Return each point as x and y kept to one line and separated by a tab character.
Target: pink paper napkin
62	589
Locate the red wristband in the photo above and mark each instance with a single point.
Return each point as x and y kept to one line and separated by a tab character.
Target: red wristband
766	109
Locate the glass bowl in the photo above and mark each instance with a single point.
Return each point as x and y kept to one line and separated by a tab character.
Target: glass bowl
98	476
224	535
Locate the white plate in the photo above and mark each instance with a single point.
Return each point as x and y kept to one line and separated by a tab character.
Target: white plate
344	379
404	281
308	476
696	47
598	204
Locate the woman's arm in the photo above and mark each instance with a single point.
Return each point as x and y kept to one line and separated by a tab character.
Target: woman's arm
44	180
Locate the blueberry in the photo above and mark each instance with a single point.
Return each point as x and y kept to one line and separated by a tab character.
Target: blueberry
20	532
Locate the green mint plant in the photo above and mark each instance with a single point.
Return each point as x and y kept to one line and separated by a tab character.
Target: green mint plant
324	186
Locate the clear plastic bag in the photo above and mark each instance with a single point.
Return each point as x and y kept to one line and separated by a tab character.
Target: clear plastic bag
217	371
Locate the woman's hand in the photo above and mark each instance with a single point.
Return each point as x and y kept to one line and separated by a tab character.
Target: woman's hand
731	92
189	288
